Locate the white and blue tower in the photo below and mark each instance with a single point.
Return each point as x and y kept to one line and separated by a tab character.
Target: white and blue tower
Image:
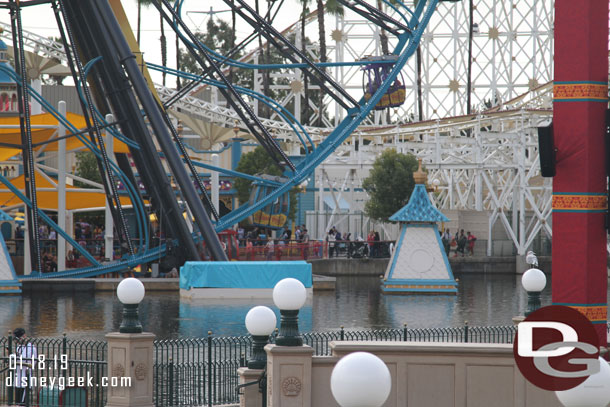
419	264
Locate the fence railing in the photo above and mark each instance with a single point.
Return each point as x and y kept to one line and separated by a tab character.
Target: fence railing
197	371
314	249
58	363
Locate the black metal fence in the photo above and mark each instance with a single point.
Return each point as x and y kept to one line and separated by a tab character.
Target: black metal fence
189	371
50	366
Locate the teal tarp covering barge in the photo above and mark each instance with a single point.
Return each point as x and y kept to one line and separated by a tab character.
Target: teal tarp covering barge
242	274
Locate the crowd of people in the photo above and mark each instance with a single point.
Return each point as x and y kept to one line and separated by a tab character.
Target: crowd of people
459	242
259	242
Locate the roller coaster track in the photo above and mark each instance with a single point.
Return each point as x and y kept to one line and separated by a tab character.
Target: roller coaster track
407	42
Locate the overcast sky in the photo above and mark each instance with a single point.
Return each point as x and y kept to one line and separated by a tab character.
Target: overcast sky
40	20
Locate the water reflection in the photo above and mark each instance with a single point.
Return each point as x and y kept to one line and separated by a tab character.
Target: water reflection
357	303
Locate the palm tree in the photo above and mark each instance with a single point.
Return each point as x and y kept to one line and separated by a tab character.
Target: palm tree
304	109
420	104
163	40
383	38
139	20
263	111
333	7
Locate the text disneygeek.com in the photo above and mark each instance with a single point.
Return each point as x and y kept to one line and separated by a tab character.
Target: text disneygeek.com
41	371
70	381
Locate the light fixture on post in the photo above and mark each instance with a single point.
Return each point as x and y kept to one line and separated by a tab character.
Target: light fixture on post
130	292
433	186
289	296
260	322
593	392
360	379
533	281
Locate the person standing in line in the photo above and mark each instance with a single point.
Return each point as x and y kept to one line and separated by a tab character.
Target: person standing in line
270	249
305	243
25	353
240	236
338	243
376	244
371	239
446	239
461	243
249	250
286	235
471	239
330	239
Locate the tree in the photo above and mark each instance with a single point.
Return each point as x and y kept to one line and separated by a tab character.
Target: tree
86	167
259	162
332	7
383	37
219	37
389	184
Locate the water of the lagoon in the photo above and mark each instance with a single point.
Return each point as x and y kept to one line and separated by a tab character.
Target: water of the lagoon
357	303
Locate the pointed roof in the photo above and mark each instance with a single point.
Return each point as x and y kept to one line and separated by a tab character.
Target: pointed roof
419	209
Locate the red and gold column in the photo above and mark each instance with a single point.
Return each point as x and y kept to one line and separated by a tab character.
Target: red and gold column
579	187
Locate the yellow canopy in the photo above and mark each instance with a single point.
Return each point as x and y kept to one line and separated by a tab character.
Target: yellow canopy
13	136
46	193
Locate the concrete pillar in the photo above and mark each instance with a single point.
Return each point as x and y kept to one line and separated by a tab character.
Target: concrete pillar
521	265
289	376
37	86
131	355
250	396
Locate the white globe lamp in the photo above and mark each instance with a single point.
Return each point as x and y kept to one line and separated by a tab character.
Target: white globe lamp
593	392
360	379
289	295
533	281
260	322
130	292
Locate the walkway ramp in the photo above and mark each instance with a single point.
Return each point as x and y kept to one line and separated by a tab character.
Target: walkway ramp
8	279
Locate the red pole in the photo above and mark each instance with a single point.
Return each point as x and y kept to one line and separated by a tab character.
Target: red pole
579	189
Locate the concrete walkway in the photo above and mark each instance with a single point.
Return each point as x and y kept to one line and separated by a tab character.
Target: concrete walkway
110	284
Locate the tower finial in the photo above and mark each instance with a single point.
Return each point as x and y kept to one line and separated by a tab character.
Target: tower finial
420	176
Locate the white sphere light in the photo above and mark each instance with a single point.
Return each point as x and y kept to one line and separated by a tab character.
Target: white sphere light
360	379
289	294
593	392
260	321
130	291
533	280
436	182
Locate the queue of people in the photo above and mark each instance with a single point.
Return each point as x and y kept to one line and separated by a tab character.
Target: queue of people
460	242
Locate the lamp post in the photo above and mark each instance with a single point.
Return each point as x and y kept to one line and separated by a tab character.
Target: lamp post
593	392
533	281
289	296
130	292
360	379
260	322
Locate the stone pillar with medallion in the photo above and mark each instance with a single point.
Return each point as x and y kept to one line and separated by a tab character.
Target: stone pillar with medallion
130	355
289	375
